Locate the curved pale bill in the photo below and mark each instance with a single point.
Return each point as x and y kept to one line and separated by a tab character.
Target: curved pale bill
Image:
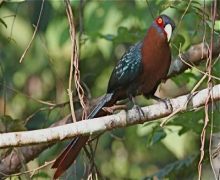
168	30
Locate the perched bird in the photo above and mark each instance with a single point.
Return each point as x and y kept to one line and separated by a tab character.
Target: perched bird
139	72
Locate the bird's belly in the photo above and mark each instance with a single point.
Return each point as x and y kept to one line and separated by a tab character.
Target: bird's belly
156	60
151	80
148	86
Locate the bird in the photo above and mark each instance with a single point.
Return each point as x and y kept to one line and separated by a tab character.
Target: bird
139	72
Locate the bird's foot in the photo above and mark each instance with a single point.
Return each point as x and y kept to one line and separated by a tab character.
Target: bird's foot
136	107
139	110
166	101
111	109
108	110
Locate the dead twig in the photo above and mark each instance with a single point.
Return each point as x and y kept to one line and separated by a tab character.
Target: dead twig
75	64
35	31
210	85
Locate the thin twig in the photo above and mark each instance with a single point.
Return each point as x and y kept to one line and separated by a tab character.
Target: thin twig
210	85
213	12
13	21
32	171
150	9
35	31
27	96
184	13
73	54
75	64
205	73
45	109
198	84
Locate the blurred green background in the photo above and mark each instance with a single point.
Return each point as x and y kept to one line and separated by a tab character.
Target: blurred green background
105	29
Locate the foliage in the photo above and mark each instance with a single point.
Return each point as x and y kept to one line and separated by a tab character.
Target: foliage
105	29
174	169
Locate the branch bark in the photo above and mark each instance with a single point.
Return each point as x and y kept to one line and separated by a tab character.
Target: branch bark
119	120
11	163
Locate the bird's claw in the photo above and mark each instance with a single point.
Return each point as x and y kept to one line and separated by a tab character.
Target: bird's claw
167	103
108	110
140	111
112	109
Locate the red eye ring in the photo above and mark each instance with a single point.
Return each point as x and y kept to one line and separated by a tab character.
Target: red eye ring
159	21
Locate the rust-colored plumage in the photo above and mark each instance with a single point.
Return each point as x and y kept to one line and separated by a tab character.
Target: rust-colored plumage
156	59
138	72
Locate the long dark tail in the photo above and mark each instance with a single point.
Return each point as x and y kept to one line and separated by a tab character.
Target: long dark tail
67	157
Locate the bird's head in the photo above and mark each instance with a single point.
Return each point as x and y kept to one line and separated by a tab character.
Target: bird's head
165	25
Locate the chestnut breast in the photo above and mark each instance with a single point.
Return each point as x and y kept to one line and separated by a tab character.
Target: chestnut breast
156	59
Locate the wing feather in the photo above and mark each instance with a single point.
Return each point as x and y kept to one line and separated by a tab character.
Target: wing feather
127	69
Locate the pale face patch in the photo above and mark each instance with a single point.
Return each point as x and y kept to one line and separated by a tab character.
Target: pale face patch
168	30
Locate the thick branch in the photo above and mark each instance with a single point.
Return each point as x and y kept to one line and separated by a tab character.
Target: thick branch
119	120
194	55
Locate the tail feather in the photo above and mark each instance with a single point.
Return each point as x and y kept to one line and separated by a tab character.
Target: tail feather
68	156
62	156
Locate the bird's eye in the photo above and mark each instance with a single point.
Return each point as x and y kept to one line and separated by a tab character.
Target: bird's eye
160	21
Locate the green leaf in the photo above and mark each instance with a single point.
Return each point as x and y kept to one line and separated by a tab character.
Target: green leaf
178	44
216	68
40	175
64	36
189	121
156	136
217	25
216	116
176	169
185	78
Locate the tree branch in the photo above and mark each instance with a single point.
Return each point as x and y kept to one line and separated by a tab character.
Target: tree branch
121	119
195	55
